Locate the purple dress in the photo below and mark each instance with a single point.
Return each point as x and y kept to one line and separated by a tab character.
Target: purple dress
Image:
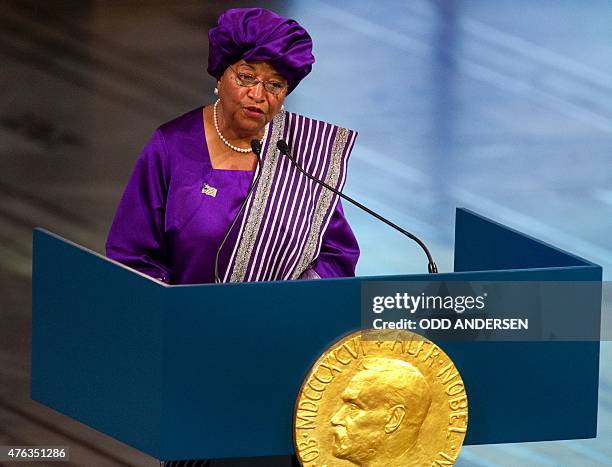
169	225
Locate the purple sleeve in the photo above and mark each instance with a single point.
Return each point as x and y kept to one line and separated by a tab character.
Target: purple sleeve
339	250
136	237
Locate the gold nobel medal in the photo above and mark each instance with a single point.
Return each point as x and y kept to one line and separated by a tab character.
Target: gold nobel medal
381	399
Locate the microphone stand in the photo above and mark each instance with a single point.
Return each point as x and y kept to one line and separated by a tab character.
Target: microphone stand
431	267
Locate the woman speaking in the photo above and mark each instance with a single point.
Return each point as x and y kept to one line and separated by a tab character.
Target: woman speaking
194	174
201	206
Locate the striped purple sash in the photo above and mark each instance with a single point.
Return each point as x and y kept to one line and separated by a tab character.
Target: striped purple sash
285	219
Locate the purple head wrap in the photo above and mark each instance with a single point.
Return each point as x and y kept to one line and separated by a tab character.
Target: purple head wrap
258	35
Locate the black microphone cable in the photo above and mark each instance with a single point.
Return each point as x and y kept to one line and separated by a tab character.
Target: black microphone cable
256	147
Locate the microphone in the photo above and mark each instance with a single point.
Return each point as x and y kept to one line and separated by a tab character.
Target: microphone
256	147
284	149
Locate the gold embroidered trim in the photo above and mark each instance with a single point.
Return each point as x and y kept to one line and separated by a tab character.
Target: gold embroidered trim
310	252
259	202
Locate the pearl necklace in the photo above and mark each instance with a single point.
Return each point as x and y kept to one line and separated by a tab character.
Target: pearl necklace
225	141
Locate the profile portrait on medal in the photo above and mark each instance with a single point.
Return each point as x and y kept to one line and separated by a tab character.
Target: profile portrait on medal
383	408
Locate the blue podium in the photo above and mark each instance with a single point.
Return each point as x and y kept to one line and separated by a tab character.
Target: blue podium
212	370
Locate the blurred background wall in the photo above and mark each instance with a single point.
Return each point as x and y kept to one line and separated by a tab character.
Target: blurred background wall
503	107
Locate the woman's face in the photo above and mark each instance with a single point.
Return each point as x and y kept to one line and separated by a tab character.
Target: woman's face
245	110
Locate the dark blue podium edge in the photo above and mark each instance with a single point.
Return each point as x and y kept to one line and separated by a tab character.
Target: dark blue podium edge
578	269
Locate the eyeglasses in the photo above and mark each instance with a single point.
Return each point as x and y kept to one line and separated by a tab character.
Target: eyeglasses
247	80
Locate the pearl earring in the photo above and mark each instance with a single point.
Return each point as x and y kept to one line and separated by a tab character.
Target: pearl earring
283	107
216	91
